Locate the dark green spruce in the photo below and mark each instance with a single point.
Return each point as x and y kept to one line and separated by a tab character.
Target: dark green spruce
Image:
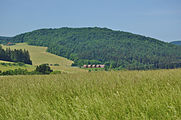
115	49
15	55
43	69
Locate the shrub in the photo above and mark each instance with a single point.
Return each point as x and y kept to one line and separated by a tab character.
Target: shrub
21	64
56	64
43	69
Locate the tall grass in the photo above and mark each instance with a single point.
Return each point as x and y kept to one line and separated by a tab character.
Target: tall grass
95	95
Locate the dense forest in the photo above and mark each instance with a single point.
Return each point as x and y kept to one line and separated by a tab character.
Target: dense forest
15	55
115	49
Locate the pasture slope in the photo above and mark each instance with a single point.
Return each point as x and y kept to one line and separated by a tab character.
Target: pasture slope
114	95
39	56
12	67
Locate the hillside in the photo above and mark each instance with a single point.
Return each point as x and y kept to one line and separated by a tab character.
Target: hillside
39	56
176	42
15	55
116	49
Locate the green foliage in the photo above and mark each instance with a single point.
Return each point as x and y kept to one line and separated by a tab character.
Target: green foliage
56	65
43	69
15	55
40	56
122	50
13	64
15	72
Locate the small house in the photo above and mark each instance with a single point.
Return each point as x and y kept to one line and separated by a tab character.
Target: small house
102	66
9	44
89	66
97	66
85	66
93	66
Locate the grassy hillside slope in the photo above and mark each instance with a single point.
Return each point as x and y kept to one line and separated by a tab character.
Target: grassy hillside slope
39	56
116	49
133	95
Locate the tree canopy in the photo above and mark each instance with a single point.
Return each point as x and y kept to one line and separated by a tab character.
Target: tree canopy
43	69
15	55
118	49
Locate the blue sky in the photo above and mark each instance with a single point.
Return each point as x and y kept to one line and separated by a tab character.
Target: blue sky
159	19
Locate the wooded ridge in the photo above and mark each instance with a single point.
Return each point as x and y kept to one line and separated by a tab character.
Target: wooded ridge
115	49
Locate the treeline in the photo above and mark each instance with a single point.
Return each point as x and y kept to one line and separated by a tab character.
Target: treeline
40	70
4	40
15	55
116	49
13	64
17	72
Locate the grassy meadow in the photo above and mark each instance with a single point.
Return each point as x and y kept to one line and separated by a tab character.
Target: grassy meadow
12	67
39	56
114	95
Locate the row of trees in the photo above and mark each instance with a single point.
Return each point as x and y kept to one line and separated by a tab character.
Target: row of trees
117	49
13	64
15	55
41	69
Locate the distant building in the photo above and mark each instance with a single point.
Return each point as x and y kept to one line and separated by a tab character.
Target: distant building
89	66
97	66
93	66
9	44
102	66
85	66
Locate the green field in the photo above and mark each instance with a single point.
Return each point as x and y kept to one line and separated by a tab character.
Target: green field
133	95
8	67
39	56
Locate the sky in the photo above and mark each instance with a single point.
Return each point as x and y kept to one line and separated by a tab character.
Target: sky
160	19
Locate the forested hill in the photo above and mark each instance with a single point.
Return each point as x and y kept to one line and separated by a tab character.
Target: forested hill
4	39
116	49
176	42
